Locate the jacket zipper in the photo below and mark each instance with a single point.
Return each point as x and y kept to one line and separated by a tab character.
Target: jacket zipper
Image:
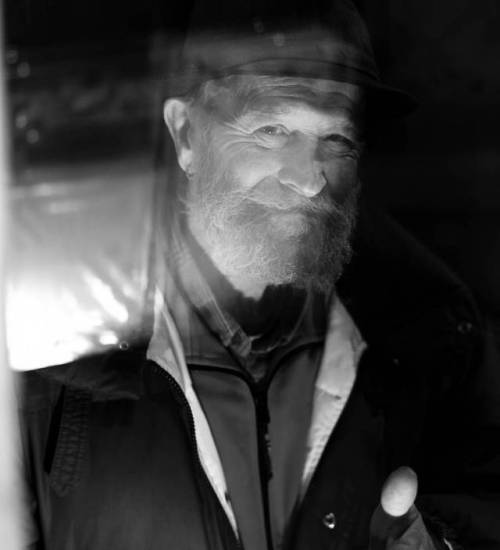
192	429
259	392
262	417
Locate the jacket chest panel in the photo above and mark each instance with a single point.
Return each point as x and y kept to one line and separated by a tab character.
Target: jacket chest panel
140	479
139	484
345	485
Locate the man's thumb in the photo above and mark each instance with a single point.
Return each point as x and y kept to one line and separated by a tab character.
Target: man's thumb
399	492
396	510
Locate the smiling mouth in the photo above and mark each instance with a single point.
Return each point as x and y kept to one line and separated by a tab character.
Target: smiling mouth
285	206
292	220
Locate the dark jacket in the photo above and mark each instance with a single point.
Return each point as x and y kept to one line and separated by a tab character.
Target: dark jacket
109	449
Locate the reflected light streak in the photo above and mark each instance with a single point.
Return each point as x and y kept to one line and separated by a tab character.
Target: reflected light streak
43	329
103	293
108	338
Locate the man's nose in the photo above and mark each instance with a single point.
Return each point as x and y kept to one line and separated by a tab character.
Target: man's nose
301	170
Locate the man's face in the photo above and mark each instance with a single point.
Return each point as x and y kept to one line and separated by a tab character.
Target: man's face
273	189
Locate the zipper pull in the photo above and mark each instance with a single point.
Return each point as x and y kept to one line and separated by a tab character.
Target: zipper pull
263	419
268	463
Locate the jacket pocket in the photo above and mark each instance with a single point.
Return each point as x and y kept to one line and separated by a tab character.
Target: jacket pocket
71	446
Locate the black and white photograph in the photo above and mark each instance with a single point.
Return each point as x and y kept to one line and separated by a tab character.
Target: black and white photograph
250	266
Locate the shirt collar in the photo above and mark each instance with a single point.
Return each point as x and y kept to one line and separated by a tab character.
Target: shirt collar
343	347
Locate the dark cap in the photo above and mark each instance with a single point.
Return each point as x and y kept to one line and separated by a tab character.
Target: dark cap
322	40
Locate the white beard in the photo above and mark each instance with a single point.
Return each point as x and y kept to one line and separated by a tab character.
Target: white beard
272	244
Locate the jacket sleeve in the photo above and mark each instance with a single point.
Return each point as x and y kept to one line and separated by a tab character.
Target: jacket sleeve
36	405
462	500
31	538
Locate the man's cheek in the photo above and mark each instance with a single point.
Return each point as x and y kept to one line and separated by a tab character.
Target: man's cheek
342	176
251	168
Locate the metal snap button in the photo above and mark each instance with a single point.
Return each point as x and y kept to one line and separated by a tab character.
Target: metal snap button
329	520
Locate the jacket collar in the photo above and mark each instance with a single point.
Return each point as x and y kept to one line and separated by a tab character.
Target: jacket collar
343	347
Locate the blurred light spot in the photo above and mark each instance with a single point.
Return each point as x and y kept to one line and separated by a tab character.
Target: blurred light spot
63	207
23	70
32	136
12	56
21	120
258	26
279	39
108	338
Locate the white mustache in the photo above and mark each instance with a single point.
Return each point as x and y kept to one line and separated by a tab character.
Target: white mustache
273	195
301	206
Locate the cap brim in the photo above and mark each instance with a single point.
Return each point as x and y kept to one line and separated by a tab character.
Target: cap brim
387	102
382	100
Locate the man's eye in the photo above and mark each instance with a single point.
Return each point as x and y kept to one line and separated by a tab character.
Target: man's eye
341	140
342	144
272	131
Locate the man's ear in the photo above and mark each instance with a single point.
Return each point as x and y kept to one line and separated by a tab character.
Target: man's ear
176	115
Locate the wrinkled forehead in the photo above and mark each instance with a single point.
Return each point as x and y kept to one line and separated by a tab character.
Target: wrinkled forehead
241	96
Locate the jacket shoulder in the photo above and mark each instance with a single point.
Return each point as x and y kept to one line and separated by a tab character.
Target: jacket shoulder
116	375
393	281
36	391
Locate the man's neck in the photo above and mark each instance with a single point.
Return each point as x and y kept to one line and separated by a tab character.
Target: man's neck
259	311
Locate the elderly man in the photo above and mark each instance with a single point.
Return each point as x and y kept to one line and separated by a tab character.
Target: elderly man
280	402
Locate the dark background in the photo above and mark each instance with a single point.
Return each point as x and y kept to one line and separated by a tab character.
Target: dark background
82	93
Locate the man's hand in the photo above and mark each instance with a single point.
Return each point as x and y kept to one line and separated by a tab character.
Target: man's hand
396	523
